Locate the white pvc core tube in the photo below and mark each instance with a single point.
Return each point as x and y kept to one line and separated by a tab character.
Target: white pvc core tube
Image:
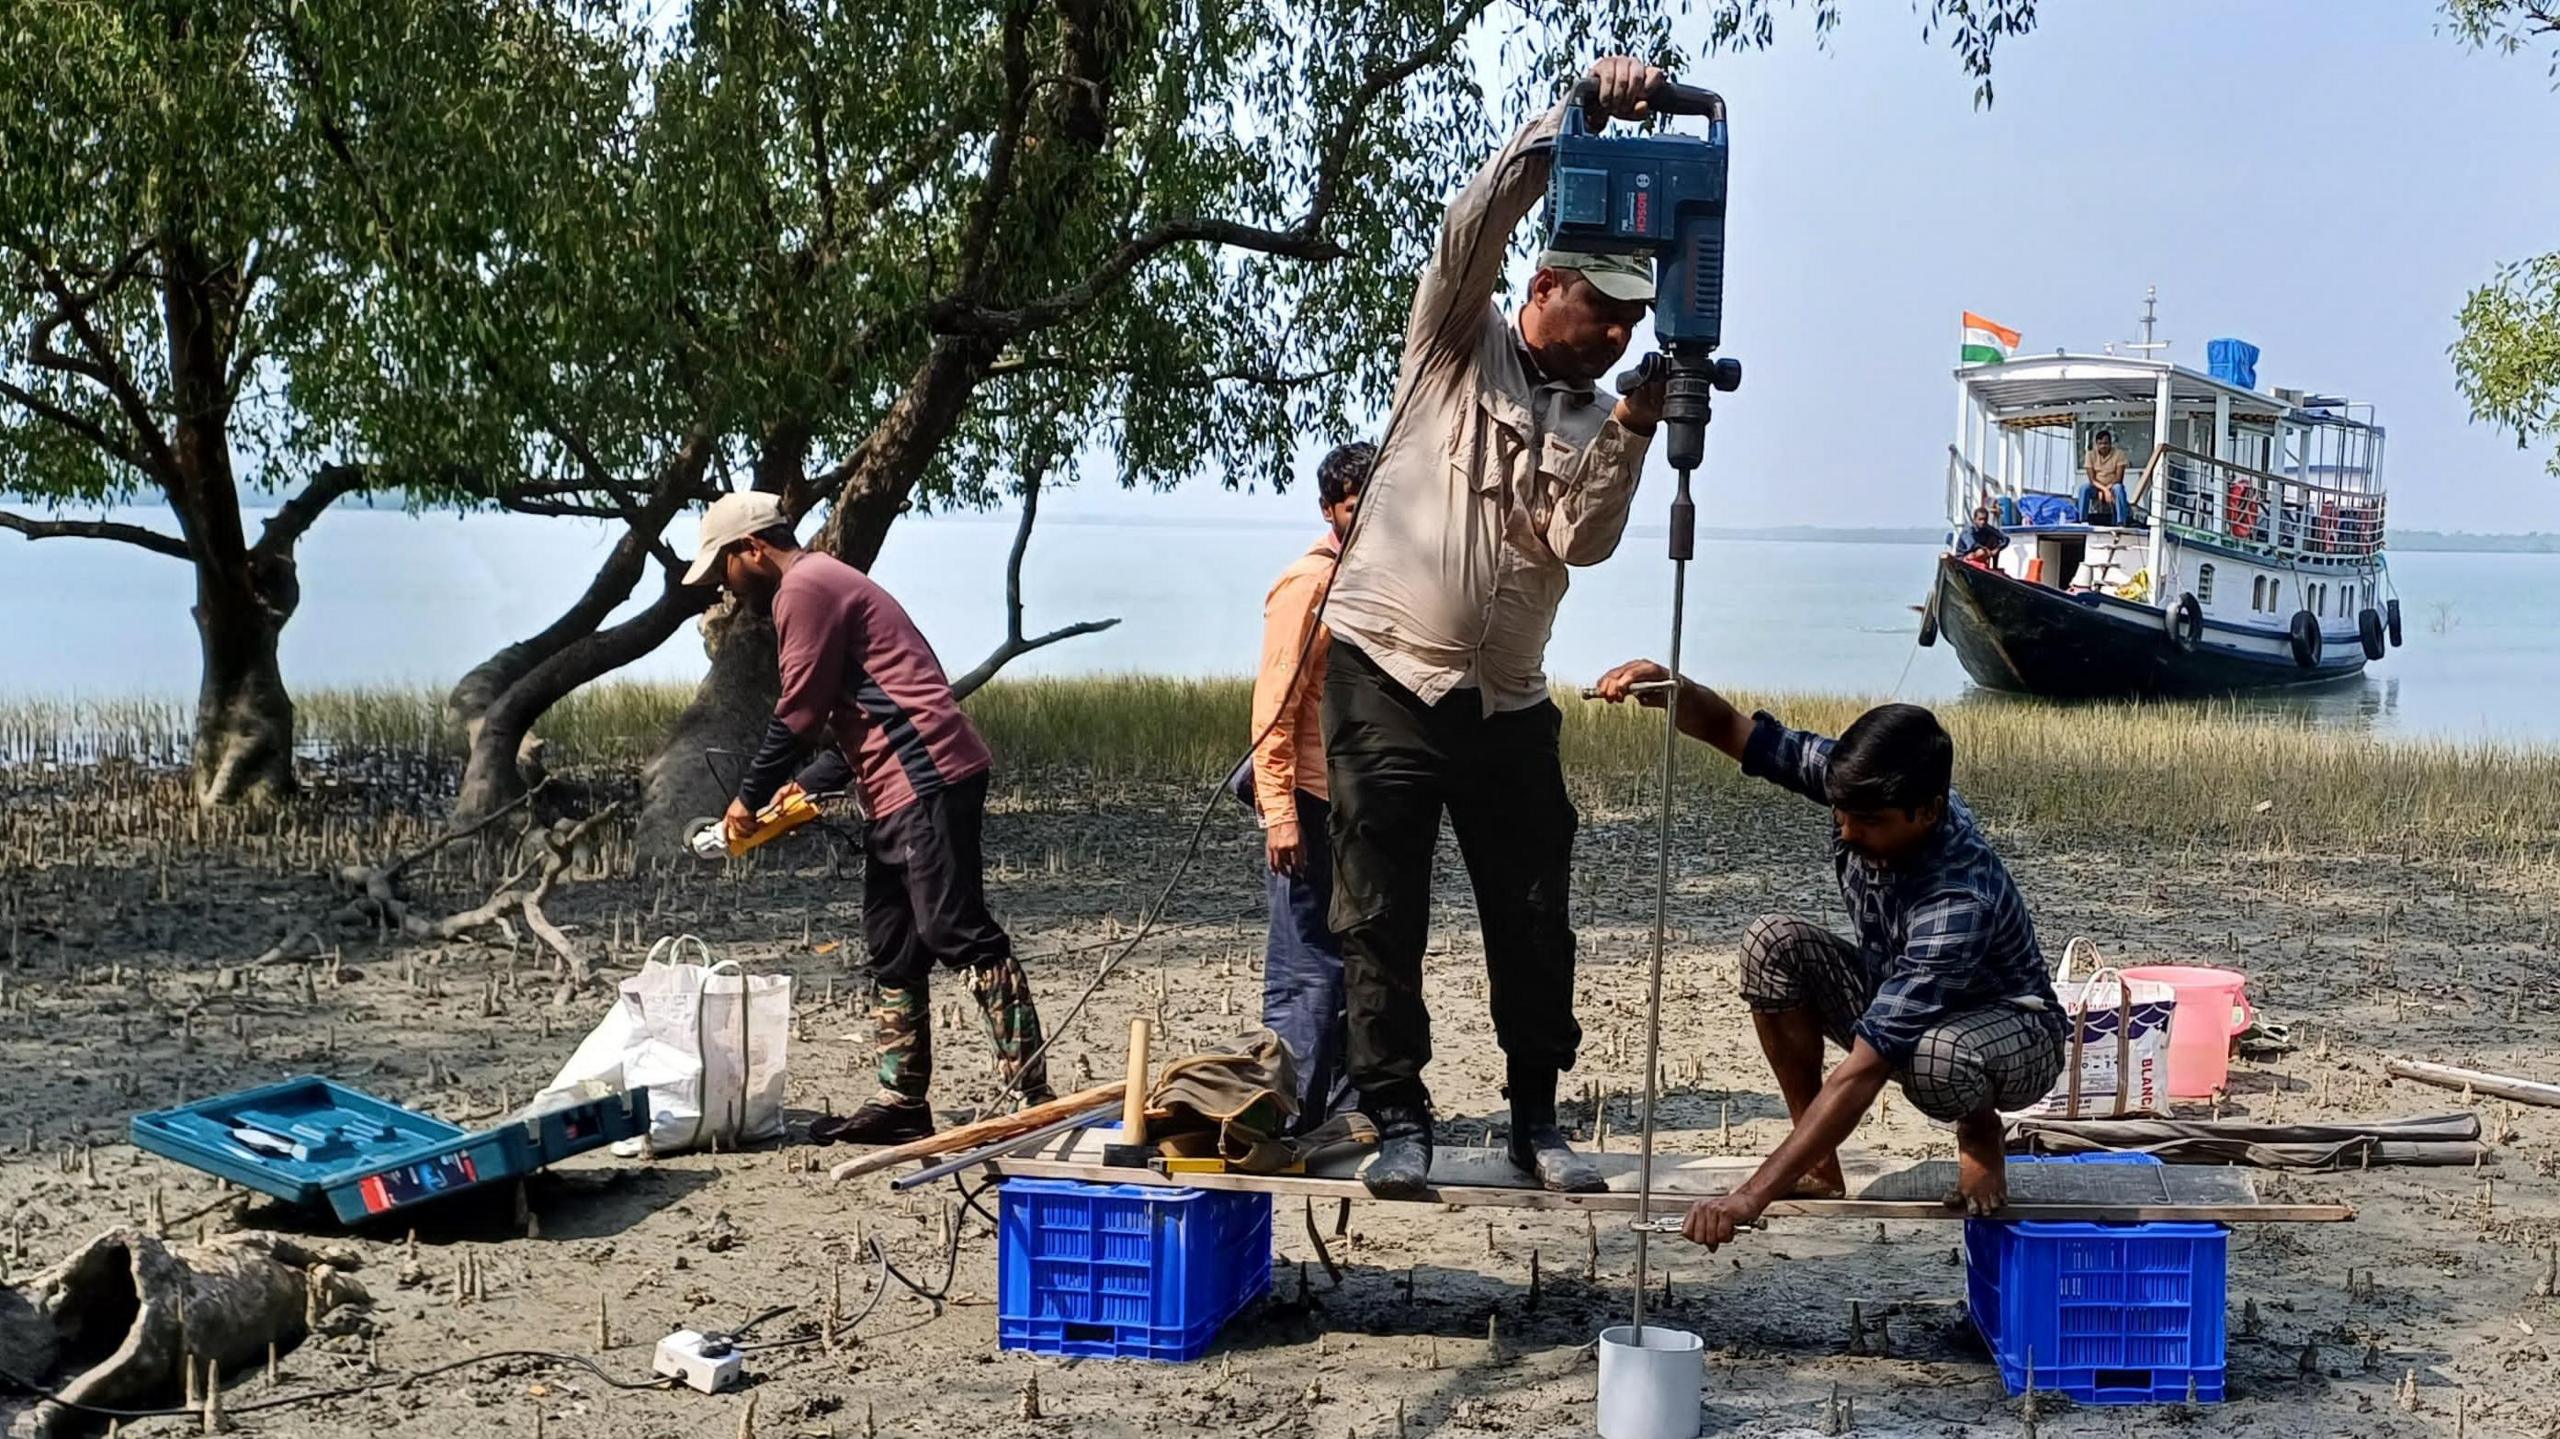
1649	1387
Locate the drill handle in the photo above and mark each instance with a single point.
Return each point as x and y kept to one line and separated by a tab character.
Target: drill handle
1668	98
1647	370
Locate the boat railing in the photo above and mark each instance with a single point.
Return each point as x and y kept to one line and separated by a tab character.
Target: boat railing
2253	509
1968	487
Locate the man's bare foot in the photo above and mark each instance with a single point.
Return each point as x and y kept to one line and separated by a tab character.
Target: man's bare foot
1823	1181
1982	1169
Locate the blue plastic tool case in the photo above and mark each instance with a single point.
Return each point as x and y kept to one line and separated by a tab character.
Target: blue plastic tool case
1125	1271
2106	1313
312	1141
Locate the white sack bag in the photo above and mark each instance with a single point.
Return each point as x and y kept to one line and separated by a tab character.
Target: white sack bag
709	1041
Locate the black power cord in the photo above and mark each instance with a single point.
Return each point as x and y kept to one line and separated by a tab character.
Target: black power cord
348	1391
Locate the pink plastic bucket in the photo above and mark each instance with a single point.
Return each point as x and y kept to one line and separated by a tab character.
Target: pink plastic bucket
2213	1009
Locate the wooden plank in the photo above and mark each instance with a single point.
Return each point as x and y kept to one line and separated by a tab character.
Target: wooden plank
2245	1210
1475	1167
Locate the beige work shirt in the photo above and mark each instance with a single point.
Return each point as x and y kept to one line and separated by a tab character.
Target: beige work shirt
1490	482
2105	471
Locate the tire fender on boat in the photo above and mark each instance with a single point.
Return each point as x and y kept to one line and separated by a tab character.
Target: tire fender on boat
2391	619
2186	623
1929	623
2369	631
2305	634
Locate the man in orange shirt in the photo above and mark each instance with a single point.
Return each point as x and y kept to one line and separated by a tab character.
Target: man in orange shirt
1302	963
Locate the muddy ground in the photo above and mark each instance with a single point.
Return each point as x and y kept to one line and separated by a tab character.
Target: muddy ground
123	915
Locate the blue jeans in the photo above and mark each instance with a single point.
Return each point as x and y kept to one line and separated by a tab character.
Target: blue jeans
2120	512
1302	971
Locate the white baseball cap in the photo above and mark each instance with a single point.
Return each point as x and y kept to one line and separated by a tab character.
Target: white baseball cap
732	518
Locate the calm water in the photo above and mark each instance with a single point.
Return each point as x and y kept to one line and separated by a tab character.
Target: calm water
388	598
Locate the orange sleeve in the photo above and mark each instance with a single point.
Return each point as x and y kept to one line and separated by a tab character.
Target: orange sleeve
1287	617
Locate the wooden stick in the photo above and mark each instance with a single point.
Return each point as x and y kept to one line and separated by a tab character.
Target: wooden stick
2481	1081
1000	1127
1133	1106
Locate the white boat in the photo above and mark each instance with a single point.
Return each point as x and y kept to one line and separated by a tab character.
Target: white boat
2254	556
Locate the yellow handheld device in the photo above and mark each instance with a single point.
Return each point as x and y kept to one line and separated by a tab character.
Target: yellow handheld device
709	838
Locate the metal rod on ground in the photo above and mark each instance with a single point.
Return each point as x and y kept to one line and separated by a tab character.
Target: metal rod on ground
1684	518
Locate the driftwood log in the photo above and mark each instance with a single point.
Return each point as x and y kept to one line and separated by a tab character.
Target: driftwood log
2477	1081
115	1323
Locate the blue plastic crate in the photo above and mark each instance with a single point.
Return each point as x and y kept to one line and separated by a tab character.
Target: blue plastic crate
1126	1271
311	1141
2111	1313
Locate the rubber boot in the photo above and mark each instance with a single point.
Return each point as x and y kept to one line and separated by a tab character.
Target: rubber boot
902	1027
1401	1169
1003	993
1537	1141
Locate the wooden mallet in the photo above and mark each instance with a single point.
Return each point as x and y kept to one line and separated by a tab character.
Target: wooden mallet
1133	1151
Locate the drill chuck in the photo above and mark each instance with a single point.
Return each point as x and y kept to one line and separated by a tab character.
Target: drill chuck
1685	410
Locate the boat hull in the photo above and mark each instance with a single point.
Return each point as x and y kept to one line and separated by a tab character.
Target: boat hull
2030	639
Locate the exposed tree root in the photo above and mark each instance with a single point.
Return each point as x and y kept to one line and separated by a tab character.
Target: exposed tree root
546	852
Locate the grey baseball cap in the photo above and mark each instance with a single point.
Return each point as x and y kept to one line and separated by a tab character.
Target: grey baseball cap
731	518
1620	277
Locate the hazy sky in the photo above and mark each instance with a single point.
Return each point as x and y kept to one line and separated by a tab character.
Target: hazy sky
2323	178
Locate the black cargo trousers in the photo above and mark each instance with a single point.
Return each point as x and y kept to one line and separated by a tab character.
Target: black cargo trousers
1394	765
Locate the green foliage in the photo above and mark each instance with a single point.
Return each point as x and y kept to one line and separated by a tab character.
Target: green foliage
489	243
2509	27
2507	361
130	128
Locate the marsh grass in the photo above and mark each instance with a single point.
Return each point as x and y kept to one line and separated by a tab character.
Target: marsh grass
2094	774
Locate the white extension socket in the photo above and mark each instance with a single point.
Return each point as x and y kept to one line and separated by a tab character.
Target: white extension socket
709	1365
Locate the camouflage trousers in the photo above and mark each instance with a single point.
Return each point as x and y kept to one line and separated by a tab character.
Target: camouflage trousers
902	1026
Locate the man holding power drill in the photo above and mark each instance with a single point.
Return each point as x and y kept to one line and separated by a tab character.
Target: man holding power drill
863	690
1501	466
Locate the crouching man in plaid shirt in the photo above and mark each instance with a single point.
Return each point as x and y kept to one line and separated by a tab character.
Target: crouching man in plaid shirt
1942	989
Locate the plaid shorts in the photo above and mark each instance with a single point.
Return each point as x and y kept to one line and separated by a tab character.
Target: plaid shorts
1997	1055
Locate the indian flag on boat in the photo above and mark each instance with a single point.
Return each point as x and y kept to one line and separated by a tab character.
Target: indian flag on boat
1986	342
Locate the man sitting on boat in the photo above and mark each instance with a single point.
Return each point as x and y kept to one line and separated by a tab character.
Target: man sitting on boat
1943	989
2102	499
1983	543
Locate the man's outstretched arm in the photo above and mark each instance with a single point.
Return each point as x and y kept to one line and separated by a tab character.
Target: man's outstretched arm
1834	1113
1704	714
1797	761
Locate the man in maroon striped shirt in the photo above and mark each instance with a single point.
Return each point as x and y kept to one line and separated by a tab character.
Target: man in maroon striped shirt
860	683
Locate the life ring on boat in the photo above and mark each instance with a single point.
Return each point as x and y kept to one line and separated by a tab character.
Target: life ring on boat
2240	510
2369	631
2186	624
2305	635
2391	620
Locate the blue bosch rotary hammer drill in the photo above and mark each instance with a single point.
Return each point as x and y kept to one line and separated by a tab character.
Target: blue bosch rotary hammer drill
1661	195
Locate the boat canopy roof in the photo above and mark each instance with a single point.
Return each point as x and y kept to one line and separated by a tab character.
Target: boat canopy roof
2043	384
